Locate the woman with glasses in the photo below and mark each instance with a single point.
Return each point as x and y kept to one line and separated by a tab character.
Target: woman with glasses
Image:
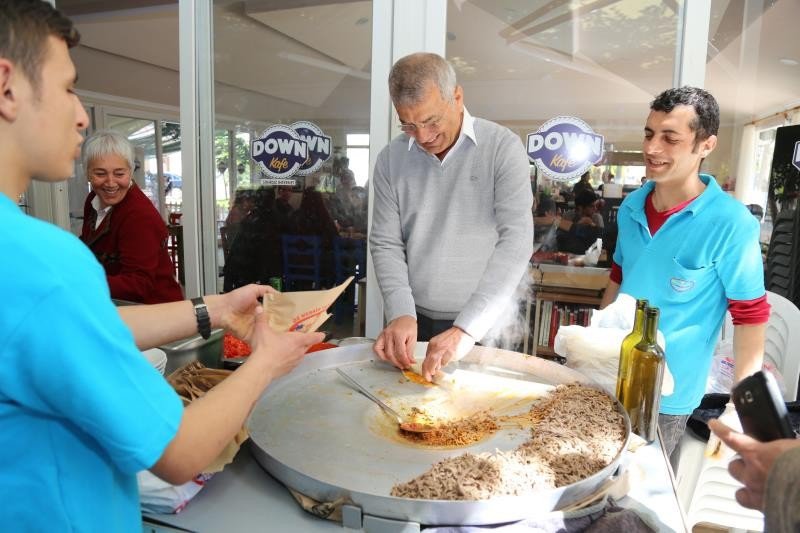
122	227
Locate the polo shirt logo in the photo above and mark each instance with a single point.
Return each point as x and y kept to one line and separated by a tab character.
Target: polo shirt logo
681	285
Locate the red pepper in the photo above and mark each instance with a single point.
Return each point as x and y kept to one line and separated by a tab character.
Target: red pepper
234	347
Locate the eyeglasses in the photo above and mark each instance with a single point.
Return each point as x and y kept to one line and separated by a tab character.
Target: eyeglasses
432	125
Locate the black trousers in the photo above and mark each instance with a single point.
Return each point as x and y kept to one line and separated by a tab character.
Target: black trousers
428	327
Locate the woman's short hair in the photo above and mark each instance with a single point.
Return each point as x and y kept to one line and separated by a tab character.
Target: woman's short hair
103	143
410	76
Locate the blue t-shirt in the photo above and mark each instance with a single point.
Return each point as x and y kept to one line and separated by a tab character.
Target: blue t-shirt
81	411
703	255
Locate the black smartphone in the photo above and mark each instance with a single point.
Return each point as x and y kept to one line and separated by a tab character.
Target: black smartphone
761	409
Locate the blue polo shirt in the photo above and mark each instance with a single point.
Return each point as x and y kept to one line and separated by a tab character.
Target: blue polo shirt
81	411
702	256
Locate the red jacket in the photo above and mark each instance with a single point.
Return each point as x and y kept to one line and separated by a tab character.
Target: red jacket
131	244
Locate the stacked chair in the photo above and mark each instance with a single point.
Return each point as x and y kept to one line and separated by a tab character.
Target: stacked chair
782	275
705	488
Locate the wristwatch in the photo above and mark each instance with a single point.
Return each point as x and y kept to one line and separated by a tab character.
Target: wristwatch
201	314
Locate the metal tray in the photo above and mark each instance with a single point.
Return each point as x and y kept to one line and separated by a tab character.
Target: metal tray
317	435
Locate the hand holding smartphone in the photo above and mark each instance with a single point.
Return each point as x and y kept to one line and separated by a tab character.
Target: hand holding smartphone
761	409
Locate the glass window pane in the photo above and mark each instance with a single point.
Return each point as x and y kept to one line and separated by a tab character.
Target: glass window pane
282	66
522	63
358	139
171	163
753	72
359	164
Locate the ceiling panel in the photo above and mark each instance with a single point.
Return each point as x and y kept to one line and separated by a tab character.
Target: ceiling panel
339	31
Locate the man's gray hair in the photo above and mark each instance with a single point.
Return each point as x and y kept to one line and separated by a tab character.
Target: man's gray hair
410	76
103	143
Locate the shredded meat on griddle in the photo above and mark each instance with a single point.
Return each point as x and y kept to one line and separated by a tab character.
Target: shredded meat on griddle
458	432
576	432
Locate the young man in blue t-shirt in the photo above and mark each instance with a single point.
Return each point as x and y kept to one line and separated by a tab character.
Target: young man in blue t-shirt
692	251
81	411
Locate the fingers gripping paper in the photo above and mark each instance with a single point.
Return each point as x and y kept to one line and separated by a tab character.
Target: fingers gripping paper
303	311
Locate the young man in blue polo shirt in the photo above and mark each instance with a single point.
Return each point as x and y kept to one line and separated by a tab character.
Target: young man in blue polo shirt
692	251
81	410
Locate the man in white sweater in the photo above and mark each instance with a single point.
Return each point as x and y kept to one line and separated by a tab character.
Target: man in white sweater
452	231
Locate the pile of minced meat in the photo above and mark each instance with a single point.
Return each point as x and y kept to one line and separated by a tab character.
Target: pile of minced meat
576	432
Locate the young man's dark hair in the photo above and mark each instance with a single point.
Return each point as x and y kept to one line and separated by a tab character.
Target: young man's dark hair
706	122
25	26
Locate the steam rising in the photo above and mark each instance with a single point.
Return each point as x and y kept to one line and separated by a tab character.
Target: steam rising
509	331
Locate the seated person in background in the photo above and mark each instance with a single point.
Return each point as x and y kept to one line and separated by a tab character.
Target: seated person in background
609	179
255	252
338	203
313	218
122	227
282	208
243	203
579	228
582	185
543	219
561	194
545	227
352	217
585	211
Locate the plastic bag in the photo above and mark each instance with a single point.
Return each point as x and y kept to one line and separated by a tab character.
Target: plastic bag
592	255
720	377
159	497
594	351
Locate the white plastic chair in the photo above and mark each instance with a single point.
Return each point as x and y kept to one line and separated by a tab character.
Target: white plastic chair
782	347
705	488
714	501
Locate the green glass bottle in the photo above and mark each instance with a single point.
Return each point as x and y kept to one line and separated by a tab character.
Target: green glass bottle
276	282
627	346
643	391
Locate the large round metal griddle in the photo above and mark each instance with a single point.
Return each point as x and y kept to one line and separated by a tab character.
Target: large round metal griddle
317	435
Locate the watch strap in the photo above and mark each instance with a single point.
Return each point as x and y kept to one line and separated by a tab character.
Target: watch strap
201	314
